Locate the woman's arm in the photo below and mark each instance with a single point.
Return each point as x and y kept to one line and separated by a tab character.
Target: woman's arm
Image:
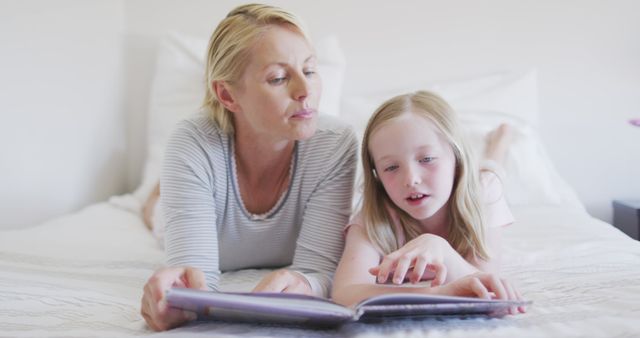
191	234
327	210
187	197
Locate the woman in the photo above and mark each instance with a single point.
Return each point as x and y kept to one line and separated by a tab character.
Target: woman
260	182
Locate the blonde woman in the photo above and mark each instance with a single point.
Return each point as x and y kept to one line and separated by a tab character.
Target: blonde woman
260	181
429	212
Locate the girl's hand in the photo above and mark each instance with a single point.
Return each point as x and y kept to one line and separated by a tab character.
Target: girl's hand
284	281
483	285
155	310
423	253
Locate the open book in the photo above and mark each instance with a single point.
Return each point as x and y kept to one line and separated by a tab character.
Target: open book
286	308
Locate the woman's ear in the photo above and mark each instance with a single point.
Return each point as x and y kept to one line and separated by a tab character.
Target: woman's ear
225	96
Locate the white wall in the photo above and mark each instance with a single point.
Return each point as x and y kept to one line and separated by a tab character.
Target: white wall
587	53
62	140
74	88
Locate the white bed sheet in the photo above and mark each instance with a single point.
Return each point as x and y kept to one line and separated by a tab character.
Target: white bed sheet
82	275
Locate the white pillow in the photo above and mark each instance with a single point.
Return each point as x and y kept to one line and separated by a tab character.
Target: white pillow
178	88
531	178
514	93
482	104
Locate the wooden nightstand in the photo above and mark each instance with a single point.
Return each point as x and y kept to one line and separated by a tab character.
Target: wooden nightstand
626	217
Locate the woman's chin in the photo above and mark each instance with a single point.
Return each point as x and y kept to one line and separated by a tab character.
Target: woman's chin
304	130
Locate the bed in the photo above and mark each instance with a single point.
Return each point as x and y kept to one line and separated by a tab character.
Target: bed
81	275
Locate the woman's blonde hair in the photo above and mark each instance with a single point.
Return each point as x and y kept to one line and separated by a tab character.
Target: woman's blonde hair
230	48
466	228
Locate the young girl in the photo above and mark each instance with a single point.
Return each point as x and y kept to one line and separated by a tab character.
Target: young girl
429	212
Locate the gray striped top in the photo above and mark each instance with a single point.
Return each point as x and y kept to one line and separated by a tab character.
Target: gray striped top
208	227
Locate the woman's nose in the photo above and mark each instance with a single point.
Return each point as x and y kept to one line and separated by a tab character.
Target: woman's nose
300	88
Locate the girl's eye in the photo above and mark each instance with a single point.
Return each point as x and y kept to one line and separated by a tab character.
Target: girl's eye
309	73
277	80
391	168
427	159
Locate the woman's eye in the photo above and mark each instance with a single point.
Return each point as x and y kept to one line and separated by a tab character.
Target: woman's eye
427	159
277	80
390	168
309	73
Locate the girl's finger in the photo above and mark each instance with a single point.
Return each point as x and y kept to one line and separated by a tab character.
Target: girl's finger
511	294
478	288
494	285
419	268
440	271
521	308
402	266
385	268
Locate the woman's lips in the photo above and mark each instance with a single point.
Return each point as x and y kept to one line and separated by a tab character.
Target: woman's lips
303	114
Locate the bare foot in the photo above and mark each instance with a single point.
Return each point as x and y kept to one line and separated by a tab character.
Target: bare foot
498	142
149	206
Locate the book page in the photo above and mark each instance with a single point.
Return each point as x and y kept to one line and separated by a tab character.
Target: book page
416	298
418	305
264	307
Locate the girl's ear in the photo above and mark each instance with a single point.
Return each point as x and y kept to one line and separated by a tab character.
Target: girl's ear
225	97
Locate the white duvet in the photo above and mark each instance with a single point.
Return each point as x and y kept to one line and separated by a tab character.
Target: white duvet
82	275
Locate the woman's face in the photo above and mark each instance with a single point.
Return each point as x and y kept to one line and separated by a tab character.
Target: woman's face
277	96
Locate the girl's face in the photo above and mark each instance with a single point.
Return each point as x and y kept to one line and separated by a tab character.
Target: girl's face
415	164
279	91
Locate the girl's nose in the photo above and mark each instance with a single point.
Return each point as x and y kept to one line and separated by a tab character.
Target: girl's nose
412	178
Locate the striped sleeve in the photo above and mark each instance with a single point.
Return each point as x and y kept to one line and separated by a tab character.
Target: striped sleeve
328	209
187	197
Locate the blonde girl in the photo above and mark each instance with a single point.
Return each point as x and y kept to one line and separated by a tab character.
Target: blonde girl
429	212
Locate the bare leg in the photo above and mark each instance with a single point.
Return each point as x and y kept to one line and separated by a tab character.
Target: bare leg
498	141
150	205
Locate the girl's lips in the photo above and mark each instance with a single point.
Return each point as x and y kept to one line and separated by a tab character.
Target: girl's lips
416	201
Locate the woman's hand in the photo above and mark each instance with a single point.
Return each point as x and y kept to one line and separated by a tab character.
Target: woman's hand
425	253
155	310
483	285
284	281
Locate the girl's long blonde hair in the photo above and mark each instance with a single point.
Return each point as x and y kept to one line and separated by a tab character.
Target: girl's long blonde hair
230	48
466	220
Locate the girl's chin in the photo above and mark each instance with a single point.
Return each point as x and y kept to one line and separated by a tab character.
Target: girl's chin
420	214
